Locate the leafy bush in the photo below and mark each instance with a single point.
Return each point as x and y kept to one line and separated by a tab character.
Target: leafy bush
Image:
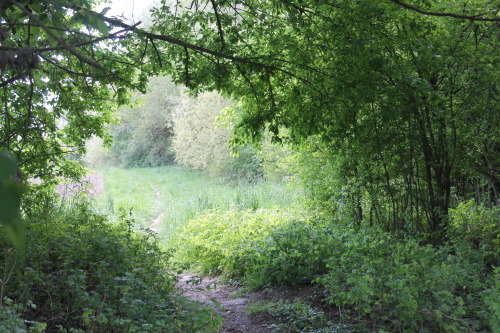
217	240
491	298
404	286
11	318
295	252
85	274
248	245
245	166
144	135
475	224
396	284
201	141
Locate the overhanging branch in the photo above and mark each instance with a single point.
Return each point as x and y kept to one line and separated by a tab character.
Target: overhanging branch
459	16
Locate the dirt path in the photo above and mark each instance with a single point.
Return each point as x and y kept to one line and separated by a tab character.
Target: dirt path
156	221
233	310
92	184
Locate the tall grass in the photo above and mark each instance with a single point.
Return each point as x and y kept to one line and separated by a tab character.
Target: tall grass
177	195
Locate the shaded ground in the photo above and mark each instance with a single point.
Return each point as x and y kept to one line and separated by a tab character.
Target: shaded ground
233	309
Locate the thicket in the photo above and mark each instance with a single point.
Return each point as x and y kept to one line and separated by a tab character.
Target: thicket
81	273
144	132
165	126
390	281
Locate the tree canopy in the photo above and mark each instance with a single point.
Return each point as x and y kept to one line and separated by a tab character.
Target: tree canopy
405	94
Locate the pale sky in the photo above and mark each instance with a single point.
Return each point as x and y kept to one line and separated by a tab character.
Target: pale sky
131	9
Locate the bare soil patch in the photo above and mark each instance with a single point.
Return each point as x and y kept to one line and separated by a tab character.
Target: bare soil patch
233	310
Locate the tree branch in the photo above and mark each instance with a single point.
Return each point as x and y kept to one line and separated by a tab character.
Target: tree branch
219	25
58	39
465	17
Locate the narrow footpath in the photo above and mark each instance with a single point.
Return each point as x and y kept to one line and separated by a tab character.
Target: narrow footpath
233	310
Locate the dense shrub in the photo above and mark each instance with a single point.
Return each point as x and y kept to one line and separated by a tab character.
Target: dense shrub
295	252
143	135
201	141
247	245
404	286
82	273
218	240
396	284
476	224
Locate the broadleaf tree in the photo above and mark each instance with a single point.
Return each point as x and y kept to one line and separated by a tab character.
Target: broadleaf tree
201	140
406	94
408	101
143	136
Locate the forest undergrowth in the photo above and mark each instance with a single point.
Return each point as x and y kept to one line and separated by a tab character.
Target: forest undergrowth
370	279
96	266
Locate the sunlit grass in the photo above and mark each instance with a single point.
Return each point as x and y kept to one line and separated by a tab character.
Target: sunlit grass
178	195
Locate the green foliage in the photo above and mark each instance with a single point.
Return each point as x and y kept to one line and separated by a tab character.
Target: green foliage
239	167
394	283
84	273
279	161
248	245
11	319
372	275
475	224
491	297
202	137
177	195
295	316
295	252
11	191
218	241
143	136
404	105
60	81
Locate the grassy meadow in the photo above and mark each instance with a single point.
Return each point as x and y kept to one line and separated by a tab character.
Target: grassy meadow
165	198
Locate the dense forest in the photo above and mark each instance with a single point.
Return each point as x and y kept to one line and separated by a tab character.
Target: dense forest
382	117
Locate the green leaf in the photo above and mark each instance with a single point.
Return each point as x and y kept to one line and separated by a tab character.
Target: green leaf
10	201
102	27
7	165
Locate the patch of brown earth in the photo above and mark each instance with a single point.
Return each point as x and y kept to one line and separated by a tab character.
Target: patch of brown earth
233	310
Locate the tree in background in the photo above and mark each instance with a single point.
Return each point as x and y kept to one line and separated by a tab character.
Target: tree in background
405	105
202	135
143	136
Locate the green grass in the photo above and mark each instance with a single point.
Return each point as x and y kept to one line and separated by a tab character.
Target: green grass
178	195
